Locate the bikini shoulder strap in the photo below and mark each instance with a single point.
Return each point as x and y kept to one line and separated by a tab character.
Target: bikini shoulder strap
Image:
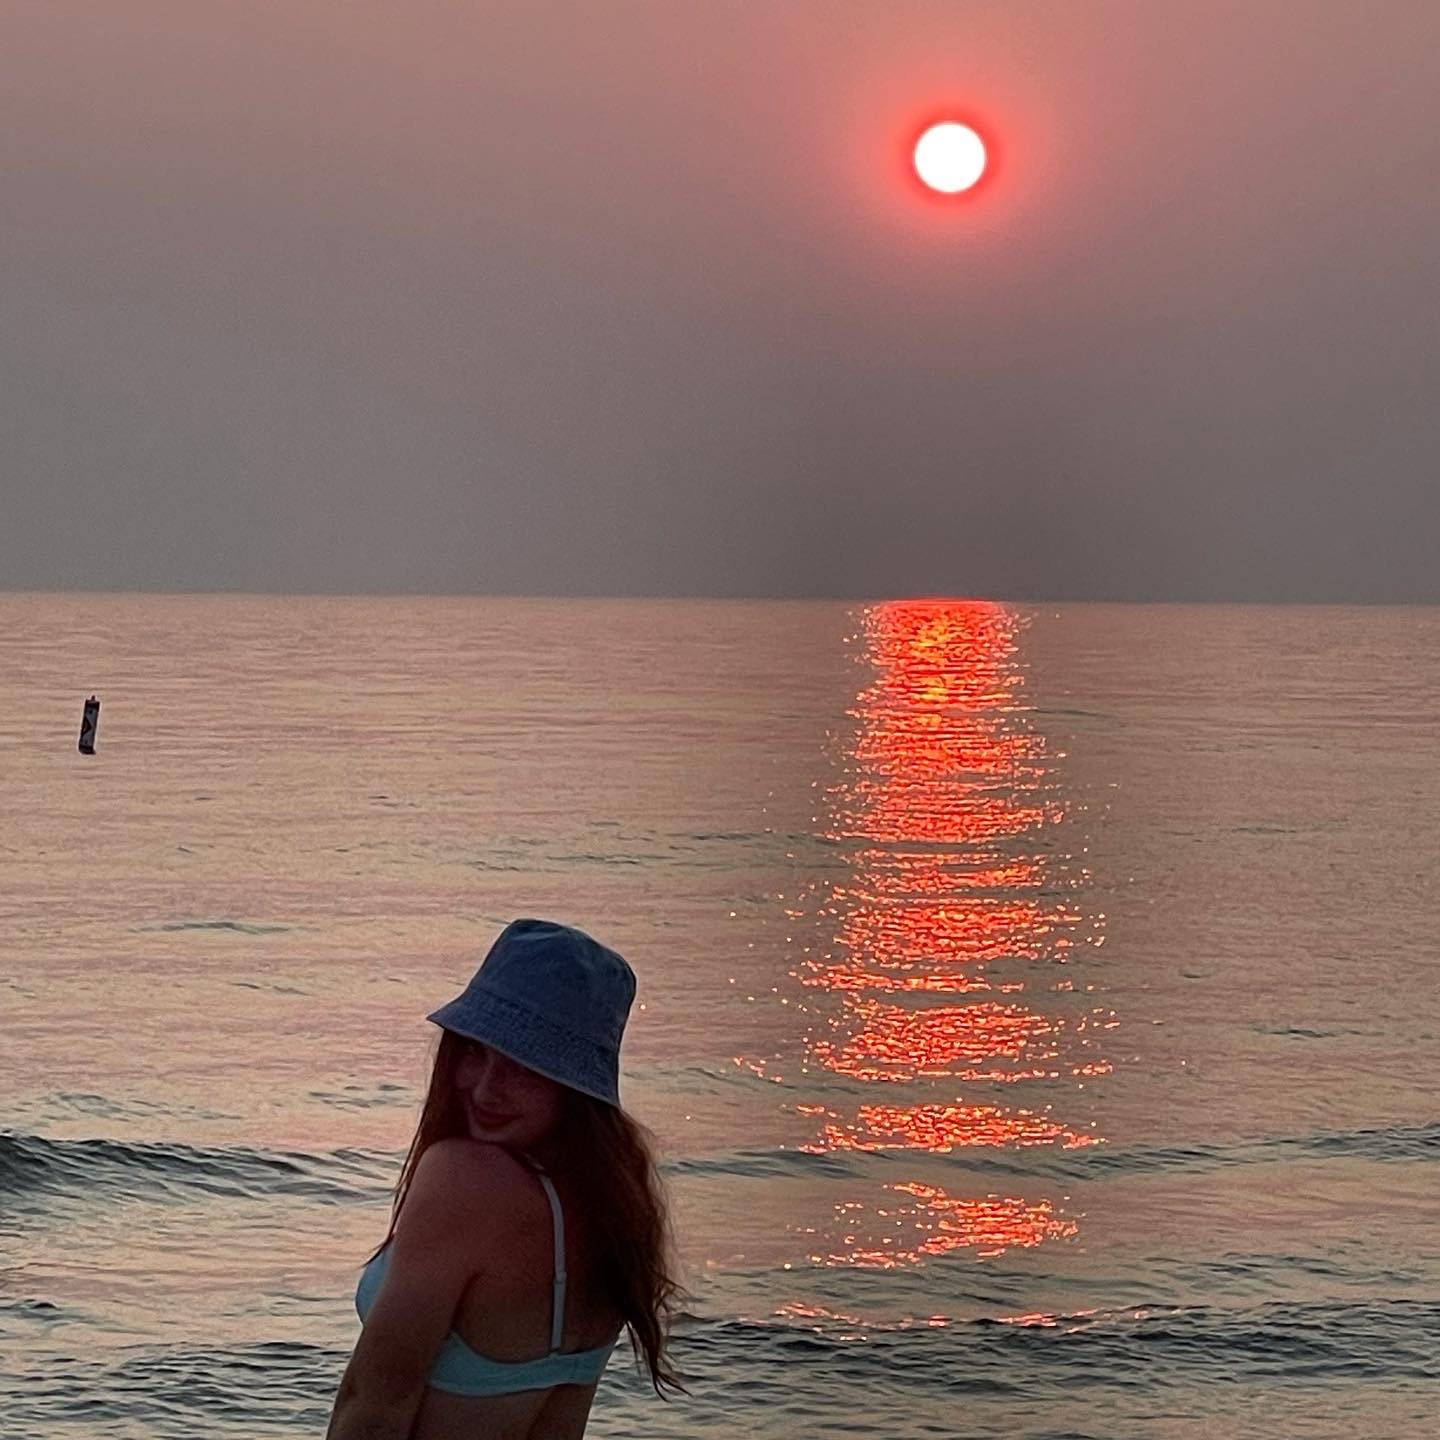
557	1309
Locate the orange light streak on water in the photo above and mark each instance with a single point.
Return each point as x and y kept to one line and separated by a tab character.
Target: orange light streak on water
893	1043
946	816
930	1223
943	1128
961	931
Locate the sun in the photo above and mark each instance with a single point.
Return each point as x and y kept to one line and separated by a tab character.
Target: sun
950	157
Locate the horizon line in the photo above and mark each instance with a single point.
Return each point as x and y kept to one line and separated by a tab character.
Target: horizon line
749	599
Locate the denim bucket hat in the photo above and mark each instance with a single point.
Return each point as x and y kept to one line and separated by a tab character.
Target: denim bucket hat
552	998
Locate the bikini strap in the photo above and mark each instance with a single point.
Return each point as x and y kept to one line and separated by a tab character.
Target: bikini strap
557	1307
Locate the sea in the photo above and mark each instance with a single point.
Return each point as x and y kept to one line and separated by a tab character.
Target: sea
1038	1013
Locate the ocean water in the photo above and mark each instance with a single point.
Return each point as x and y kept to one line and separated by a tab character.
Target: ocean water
1038	1010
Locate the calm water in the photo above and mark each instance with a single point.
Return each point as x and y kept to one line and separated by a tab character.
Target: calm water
1038	1007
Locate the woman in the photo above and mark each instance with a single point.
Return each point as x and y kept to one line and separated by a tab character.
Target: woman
529	1224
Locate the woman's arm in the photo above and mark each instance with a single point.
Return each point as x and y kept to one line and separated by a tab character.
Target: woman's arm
432	1258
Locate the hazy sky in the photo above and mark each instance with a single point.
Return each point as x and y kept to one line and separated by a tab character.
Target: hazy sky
637	297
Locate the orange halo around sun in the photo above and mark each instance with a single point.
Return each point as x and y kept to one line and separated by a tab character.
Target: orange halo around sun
949	157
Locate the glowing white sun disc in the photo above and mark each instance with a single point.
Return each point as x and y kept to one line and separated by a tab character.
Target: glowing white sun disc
950	157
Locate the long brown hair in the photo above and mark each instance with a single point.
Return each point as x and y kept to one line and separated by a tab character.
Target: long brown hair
615	1155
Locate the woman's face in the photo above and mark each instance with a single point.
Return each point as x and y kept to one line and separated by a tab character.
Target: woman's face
504	1102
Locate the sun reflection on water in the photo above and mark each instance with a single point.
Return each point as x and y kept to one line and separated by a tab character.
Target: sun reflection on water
923	1221
940	1128
938	967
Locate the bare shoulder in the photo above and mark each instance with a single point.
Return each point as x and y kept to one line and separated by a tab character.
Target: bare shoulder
460	1160
463	1185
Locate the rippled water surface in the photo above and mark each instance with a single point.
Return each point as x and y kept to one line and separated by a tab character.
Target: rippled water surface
1038	1006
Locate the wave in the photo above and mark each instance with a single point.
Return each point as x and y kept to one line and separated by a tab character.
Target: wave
1374	1339
791	1368
278	1387
1378	1338
780	1376
699	1079
239	927
66	1104
1388	1144
33	1166
773	1164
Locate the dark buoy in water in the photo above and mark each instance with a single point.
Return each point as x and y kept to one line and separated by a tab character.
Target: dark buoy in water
89	723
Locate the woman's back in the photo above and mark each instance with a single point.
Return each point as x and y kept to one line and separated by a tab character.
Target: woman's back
501	1330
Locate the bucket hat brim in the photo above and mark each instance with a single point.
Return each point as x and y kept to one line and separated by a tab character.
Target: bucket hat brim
531	1040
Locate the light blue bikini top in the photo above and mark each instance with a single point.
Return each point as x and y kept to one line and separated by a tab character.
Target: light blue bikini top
462	1371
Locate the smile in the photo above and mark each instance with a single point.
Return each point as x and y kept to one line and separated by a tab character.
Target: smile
488	1118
